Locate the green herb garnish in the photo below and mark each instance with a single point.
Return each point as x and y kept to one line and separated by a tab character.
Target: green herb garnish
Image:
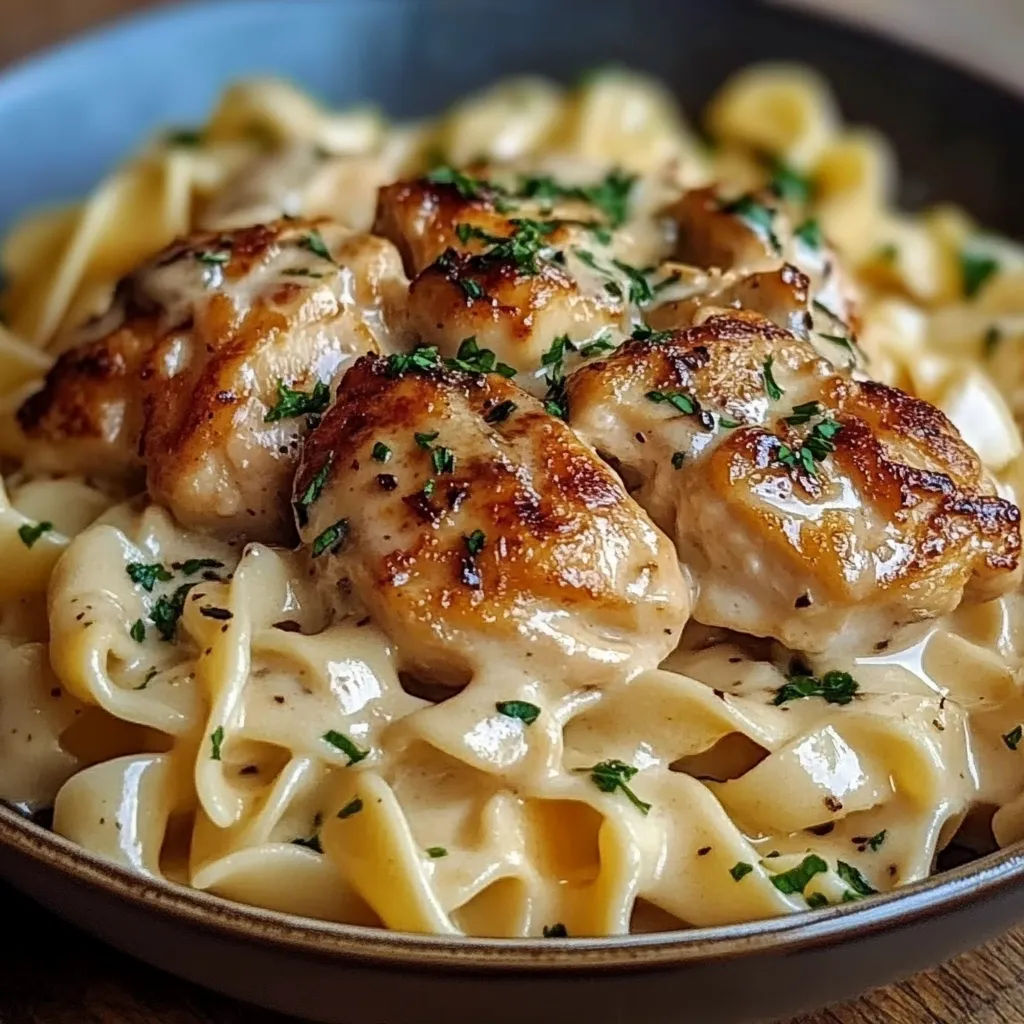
291	403
313	491
422	359
789	184
609	776
138	631
795	880
475	542
810	233
345	745
30	533
854	879
193	565
975	270
434	852
771	387
686	404
381	452
835	687
167	611
523	710
1014	736
757	216
146	576
314	242
473	359
216	739
331	539
501	412
740	870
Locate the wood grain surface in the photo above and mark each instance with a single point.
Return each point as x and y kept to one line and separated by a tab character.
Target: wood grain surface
51	973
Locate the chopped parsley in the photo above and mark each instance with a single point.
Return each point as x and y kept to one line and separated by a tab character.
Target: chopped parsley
434	852
501	412
443	460
771	387
345	745
422	359
789	184
146	576
795	880
740	870
312	842
448	264
975	270
30	533
138	631
167	611
215	258
835	687
475	542
802	413
526	712
471	358
555	931
467	186
609	776
1014	736
381	452
313	491
685	403
524	247
644	333
216	739
183	137
887	253
877	839
810	233
426	440
854	879
993	336
816	447
817	900
331	539
556	401
757	216
610	196
291	403
640	290
678	459
352	807
843	342
597	347
314	242
193	565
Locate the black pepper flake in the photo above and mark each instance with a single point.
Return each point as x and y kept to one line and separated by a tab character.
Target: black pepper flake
834	805
386	481
221	614
364	621
803	601
703	851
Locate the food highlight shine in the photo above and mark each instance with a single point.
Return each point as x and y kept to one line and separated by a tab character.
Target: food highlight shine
541	521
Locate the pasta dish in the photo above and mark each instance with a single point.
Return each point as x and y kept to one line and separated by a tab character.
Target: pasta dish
544	520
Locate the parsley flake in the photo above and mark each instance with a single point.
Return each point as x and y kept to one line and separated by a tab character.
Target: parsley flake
313	491
810	234
339	740
876	840
473	359
526	712
167	611
435	852
679	400
291	403
835	687
193	565
1014	736
381	452
611	775
30	533
796	879
314	242
138	631
678	459
331	539
789	184
501	412
975	271
216	739
740	870
146	576
475	542
854	879
771	387
758	217
422	359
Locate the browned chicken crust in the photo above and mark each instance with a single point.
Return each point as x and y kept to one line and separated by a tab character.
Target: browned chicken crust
461	514
183	378
823	525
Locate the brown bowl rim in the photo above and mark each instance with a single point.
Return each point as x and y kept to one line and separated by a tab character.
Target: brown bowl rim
937	896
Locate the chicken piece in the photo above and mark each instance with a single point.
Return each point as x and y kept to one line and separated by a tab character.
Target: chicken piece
754	235
471	524
187	378
809	507
513	273
780	295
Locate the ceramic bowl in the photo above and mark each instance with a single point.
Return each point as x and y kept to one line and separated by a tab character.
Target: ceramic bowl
77	111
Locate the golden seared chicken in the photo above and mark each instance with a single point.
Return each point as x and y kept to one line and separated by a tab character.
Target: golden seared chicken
809	507
215	357
515	270
470	523
757	256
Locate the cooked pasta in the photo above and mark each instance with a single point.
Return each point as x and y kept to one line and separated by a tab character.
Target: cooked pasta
512	524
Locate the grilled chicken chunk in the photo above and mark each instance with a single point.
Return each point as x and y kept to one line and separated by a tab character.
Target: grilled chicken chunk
470	523
809	507
759	260
190	378
513	273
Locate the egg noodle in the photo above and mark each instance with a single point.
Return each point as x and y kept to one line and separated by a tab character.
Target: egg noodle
277	755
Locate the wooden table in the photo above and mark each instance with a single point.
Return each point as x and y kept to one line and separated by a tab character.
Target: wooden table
51	973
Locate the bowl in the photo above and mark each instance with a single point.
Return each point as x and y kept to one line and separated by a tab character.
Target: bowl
78	110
